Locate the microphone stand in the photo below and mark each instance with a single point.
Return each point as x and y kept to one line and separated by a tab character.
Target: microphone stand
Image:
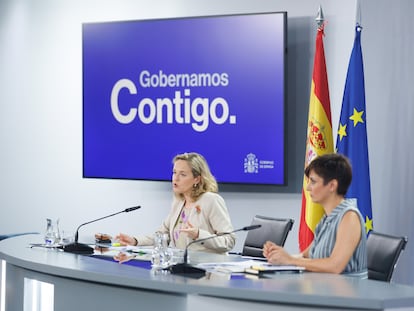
185	269
85	249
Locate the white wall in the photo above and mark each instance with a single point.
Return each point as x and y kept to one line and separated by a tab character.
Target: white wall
388	48
41	115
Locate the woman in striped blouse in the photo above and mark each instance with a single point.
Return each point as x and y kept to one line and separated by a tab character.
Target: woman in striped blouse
339	245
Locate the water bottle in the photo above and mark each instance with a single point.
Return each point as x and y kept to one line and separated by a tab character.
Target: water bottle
160	256
56	231
165	251
156	251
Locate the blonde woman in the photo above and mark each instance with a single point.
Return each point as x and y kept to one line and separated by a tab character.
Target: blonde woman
197	211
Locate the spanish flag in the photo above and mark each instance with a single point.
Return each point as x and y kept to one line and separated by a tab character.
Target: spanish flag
319	139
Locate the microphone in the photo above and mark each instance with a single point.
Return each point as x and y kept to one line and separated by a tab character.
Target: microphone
85	249
186	269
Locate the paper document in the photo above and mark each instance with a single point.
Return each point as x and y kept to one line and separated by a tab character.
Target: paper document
229	267
136	252
248	266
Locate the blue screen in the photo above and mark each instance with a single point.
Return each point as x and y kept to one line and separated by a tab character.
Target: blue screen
213	85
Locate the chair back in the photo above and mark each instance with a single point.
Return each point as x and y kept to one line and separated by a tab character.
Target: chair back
272	229
383	251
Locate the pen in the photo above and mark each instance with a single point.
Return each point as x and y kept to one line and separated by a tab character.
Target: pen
136	252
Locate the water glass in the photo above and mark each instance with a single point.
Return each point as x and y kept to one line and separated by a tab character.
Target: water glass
52	233
66	237
176	256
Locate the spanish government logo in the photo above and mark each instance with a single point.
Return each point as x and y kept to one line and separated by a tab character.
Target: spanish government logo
251	164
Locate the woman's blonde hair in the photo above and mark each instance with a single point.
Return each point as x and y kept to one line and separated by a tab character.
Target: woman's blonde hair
199	167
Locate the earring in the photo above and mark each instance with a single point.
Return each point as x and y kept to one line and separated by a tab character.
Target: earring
195	185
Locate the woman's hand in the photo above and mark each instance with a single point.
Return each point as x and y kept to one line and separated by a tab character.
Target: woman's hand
266	248
123	257
276	254
191	231
125	239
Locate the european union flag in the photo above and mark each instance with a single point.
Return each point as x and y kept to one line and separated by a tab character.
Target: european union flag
352	132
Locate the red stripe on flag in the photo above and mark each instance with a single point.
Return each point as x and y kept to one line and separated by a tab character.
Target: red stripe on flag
305	233
320	77
319	138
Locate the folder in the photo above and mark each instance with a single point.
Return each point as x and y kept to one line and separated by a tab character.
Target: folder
269	269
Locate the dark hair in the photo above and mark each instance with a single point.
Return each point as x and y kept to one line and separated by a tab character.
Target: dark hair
332	166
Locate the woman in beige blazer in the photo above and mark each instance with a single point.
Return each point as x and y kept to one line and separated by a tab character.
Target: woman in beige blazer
197	211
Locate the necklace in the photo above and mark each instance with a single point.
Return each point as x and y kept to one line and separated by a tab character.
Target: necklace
188	205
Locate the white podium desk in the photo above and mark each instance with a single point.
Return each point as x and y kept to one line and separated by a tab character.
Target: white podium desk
84	283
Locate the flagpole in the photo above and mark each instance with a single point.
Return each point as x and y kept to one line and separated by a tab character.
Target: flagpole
358	18
319	17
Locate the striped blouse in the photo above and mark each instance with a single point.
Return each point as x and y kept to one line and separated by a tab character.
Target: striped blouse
325	237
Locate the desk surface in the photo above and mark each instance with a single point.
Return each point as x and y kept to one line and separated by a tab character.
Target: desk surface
307	289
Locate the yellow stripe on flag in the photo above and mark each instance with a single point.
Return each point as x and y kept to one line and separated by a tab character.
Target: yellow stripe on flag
319	140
